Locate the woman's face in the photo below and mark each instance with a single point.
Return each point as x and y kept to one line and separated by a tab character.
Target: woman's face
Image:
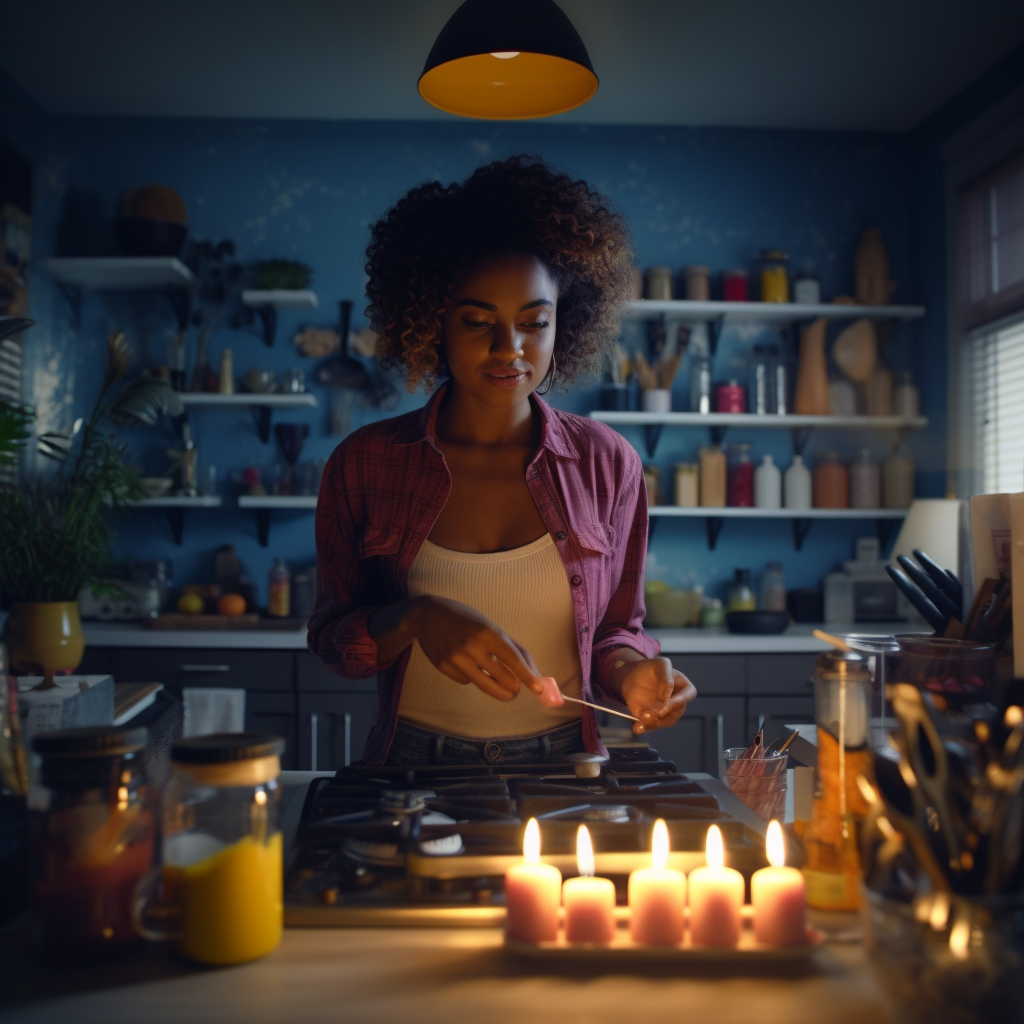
499	329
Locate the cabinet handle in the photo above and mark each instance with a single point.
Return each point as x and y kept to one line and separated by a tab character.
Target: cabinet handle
348	739
313	720
205	668
720	732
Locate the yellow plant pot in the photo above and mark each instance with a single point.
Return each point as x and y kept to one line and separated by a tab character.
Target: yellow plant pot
45	638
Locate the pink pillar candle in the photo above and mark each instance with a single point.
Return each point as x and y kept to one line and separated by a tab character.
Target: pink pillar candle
657	897
716	898
777	893
532	893
589	903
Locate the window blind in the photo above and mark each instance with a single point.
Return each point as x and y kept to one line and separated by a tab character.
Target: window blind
996	372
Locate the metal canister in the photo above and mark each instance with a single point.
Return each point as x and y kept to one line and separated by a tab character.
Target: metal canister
774	277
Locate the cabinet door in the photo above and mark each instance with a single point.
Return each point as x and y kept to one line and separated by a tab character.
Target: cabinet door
275	713
713	674
775	713
201	666
694	742
333	728
791	674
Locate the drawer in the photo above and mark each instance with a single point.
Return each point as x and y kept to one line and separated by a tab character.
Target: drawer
780	673
192	666
313	676
713	673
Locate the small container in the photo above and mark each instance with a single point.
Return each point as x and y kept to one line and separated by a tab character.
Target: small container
768	485
712	476
831	483
865	482
898	481
222	851
774	276
712	613
807	289
734	285
656	400
741	596
773	588
687	484
797	484
698	283
293	381
700	385
92	840
762	381
731	397
760	782
279	599
659	283
226	385
741	479
652	480
905	398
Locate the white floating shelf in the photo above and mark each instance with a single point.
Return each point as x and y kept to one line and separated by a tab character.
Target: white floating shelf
174	501
301	501
703	512
249	400
726	419
280	298
122	273
773	312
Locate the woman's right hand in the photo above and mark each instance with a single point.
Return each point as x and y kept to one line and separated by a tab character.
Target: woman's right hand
467	647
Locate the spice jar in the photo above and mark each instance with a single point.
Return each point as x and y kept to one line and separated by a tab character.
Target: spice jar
734	285
222	861
687	484
712	476
731	397
698	283
842	703
831	483
774	276
92	839
659	283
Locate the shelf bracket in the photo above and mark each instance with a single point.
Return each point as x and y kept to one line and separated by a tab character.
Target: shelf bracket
262	416
263	526
801	527
268	320
715	524
714	333
718	434
652	434
800	436
176	521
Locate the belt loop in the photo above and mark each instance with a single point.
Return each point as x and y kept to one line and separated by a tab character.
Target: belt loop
439	748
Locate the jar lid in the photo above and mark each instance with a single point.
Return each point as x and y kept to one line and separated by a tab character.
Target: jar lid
90	741
222	747
841	662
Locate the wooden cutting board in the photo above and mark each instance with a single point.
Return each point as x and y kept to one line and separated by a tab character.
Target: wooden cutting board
250	620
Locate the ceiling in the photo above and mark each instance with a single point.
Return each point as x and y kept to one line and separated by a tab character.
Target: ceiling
874	65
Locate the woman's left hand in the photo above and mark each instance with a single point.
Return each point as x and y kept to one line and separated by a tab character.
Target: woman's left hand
655	692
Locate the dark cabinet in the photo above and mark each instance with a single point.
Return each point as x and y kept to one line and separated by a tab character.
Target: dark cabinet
333	728
275	713
178	667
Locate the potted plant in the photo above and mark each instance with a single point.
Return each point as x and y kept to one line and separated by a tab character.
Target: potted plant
55	527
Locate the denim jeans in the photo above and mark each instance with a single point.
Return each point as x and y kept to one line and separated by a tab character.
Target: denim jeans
415	746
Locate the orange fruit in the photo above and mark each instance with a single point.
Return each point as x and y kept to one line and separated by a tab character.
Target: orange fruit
231	604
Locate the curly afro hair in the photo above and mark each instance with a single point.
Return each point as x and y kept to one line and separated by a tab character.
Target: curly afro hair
518	206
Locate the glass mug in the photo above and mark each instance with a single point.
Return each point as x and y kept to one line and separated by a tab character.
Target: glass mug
218	895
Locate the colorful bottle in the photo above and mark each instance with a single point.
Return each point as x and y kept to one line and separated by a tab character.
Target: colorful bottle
831	483
741	479
279	600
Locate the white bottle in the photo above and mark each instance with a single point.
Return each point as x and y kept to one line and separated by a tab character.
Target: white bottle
798	484
767	484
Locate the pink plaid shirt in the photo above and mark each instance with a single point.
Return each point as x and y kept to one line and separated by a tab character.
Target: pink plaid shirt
384	487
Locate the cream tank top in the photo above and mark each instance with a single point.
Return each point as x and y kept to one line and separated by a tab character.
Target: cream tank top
524	591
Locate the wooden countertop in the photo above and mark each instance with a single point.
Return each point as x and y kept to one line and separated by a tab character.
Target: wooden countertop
421	976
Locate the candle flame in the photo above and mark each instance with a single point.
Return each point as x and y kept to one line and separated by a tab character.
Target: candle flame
531	842
774	845
714	851
960	939
584	852
659	844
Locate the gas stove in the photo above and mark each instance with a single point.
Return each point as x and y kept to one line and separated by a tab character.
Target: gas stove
430	845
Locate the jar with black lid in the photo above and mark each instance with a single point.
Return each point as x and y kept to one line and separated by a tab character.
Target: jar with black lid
92	839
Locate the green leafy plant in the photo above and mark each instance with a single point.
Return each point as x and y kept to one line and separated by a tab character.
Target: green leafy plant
55	528
287	275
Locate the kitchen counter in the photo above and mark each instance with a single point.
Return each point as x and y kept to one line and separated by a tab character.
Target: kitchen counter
796	639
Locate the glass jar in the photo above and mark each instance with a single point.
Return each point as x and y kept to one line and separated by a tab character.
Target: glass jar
741	596
807	289
698	283
712	613
92	840
774	276
700	385
773	588
687	484
222	874
734	285
741	478
842	712
659	283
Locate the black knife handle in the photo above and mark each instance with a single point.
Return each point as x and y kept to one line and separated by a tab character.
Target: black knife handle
931	614
943	578
928	588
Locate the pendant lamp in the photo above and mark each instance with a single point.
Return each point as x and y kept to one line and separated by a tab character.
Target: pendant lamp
508	60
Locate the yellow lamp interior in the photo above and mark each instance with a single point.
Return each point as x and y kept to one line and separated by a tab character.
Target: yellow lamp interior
527	85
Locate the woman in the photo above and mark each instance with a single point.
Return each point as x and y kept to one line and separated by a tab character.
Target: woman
467	549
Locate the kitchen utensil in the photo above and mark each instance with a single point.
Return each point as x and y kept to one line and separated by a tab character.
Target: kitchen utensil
936	619
756	621
342	370
944	579
929	588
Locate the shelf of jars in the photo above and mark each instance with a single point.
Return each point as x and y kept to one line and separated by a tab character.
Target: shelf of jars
717	312
264	504
885	518
718	423
263	405
175	506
